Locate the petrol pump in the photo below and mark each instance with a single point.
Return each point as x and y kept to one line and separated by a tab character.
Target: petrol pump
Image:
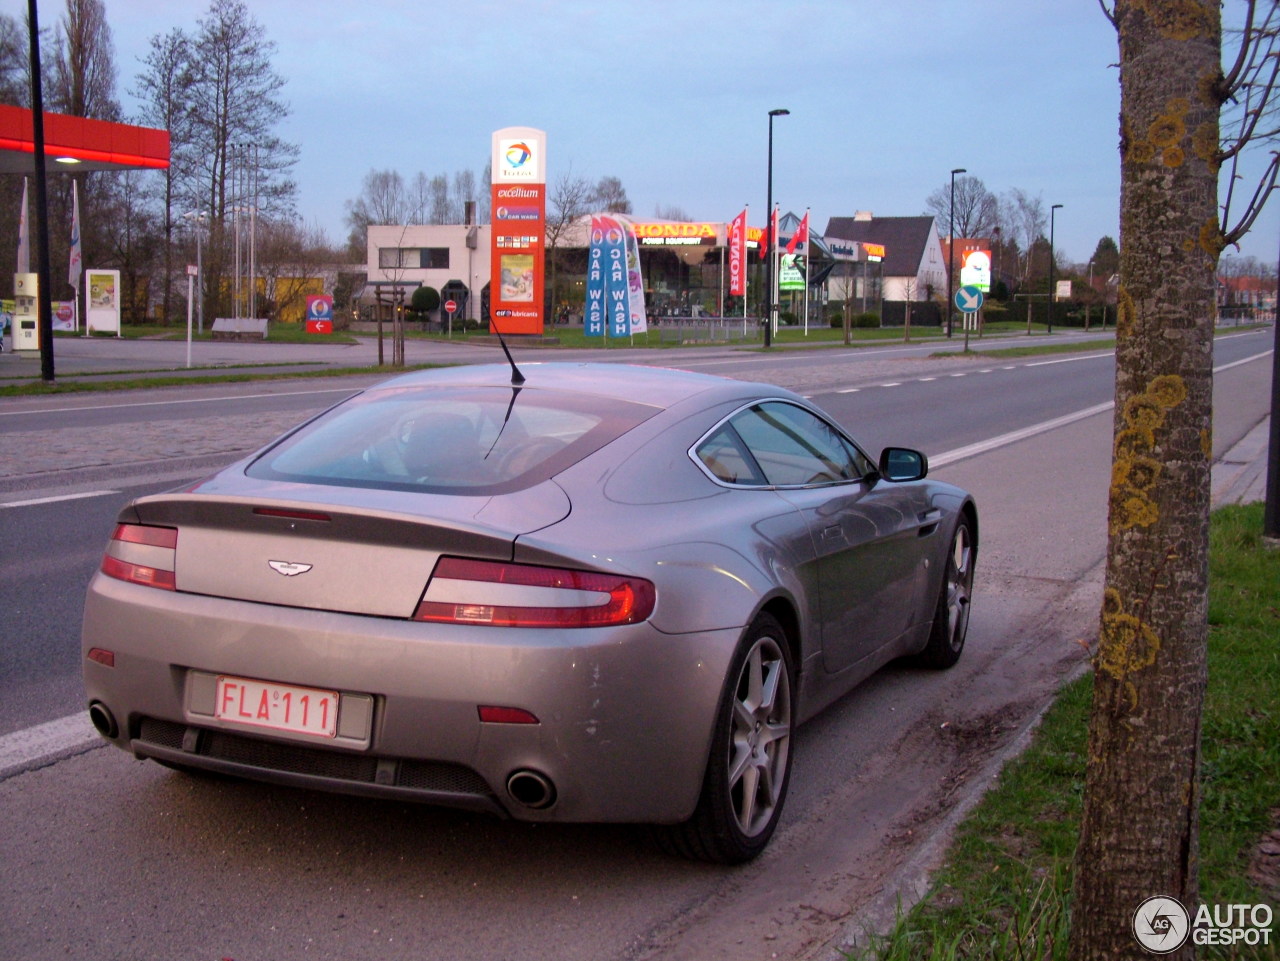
26	323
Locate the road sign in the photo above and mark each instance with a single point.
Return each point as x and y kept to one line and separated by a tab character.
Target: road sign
451	306
968	299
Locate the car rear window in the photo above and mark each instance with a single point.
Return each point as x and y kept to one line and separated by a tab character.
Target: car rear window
454	440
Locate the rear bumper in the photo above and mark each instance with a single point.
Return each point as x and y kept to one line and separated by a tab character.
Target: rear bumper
625	714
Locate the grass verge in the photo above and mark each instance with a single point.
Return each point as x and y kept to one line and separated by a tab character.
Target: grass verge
1004	892
39	388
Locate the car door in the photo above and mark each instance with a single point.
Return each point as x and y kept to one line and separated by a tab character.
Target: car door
867	532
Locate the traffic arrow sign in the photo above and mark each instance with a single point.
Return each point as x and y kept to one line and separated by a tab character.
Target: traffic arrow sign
968	299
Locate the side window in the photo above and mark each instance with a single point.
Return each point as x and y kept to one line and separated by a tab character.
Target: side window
794	447
724	454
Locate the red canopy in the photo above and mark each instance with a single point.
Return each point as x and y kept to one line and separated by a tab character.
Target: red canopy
78	143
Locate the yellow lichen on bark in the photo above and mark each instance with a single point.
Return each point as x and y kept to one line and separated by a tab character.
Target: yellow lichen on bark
1178	19
1127	645
1125	312
1211	239
1168	390
1204	142
1133	473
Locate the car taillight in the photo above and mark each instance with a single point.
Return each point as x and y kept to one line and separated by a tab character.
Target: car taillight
465	591
143	555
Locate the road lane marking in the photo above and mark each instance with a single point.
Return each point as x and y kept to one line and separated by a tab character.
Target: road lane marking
983	446
53	500
22	749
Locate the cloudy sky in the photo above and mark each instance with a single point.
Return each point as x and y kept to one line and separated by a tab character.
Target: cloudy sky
672	97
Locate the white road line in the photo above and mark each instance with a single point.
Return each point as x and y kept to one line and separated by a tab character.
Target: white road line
960	453
53	500
1068	360
24	748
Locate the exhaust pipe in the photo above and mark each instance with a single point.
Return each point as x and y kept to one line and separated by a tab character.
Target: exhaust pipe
103	720
532	789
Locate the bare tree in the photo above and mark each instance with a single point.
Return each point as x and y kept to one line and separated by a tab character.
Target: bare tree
570	199
977	210
161	94
1027	223
13	63
671	212
609	196
1139	832
439	206
236	104
382	200
84	64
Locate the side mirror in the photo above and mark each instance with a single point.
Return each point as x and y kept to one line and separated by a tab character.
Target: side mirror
903	464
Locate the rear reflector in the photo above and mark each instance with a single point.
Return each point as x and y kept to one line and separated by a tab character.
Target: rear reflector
102	656
463	591
142	555
506	715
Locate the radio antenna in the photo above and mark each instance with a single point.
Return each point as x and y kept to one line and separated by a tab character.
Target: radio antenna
517	378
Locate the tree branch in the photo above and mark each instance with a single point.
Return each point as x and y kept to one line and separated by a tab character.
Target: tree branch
1266	185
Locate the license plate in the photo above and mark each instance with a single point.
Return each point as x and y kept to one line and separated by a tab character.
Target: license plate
279	707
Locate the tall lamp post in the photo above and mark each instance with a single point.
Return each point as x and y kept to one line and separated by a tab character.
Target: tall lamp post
1052	210
770	240
951	242
198	219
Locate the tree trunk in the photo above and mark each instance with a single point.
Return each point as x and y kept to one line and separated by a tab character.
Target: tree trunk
1139	832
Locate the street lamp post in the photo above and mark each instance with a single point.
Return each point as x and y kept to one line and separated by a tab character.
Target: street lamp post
1052	210
770	240
951	242
198	218
1088	303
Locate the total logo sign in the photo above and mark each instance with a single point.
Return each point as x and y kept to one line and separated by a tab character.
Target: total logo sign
520	160
319	314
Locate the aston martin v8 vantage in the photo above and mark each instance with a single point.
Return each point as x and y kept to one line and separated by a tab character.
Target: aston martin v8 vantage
592	593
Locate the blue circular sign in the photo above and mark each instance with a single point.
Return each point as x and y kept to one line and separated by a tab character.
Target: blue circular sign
968	299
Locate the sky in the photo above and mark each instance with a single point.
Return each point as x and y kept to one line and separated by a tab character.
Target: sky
673	96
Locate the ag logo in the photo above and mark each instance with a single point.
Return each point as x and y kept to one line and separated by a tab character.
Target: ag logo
1161	925
288	568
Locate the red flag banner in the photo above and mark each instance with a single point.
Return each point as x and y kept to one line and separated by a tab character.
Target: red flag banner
738	255
801	237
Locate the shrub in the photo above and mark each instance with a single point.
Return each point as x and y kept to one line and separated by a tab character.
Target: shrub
424	300
869	319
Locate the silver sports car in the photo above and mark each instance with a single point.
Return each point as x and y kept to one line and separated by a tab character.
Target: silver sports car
601	593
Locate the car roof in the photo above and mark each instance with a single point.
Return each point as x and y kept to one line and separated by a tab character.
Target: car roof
654	386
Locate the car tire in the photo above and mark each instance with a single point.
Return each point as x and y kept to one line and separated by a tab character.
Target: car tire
951	616
749	767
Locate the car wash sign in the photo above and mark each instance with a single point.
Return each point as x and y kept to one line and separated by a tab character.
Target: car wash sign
518	238
615	288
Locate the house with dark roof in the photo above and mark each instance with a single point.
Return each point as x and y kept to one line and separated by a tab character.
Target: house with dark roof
913	266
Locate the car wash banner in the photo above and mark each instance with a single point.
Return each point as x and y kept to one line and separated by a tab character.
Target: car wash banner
638	318
615	288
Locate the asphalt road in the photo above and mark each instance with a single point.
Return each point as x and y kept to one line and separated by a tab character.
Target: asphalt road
121	859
